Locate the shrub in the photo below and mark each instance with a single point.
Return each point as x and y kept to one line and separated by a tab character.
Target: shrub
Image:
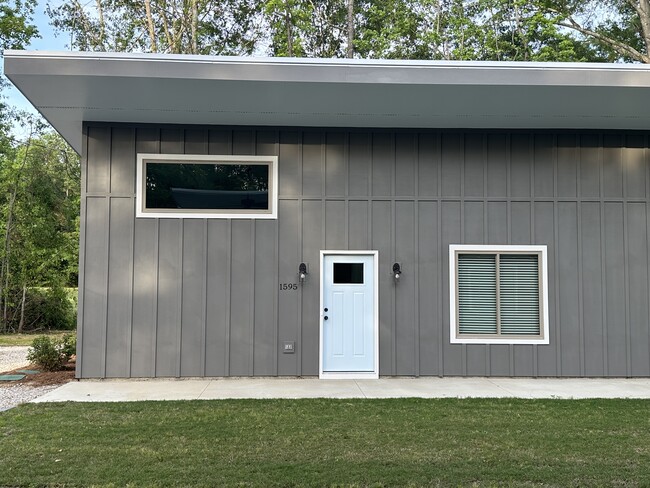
51	354
50	308
69	346
46	308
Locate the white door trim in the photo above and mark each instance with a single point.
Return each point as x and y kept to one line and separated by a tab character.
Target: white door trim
352	375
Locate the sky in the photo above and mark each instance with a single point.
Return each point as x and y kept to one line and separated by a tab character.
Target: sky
48	42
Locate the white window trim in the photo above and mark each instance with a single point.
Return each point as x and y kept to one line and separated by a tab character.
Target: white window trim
142	212
453	319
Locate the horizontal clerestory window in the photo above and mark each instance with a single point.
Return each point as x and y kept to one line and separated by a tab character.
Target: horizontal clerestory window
498	294
206	186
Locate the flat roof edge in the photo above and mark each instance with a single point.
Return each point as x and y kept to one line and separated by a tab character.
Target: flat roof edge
69	88
342	62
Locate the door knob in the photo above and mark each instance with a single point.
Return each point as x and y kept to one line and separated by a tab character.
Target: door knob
325	309
325	318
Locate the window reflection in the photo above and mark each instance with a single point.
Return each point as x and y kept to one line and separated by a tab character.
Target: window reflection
207	186
348	273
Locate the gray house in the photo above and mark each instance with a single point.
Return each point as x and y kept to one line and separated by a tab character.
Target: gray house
347	218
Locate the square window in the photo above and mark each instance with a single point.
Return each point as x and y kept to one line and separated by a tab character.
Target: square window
200	186
498	294
348	273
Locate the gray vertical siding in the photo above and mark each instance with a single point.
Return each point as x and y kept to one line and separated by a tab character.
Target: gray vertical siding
200	297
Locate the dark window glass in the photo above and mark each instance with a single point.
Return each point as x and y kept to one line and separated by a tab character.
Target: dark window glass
348	273
207	186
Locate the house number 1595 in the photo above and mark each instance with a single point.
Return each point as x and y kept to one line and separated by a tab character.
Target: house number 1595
288	286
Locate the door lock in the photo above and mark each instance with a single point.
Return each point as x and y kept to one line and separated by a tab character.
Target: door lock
325	318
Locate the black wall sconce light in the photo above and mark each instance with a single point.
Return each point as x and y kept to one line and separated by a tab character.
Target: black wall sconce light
302	272
397	271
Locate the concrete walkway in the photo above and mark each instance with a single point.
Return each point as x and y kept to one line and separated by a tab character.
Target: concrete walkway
224	388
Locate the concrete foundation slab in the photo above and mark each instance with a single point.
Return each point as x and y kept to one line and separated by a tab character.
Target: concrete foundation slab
281	388
231	388
577	388
125	391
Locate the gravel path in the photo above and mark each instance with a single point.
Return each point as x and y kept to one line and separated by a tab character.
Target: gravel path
13	395
12	357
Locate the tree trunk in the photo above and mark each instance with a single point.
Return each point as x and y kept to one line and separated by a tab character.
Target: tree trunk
644	16
21	324
194	26
620	47
4	270
5	309
102	25
520	32
350	53
4	266
642	8
165	22
152	32
287	23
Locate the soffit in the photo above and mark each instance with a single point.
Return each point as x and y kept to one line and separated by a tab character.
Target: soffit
71	88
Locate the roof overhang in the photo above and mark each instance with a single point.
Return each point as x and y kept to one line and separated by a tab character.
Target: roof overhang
69	88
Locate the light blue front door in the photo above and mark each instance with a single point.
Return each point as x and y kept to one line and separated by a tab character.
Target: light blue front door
348	308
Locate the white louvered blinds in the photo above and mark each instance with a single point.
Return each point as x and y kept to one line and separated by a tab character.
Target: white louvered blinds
519	294
498	294
477	294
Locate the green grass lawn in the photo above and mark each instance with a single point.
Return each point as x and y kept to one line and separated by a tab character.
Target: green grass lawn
403	442
26	339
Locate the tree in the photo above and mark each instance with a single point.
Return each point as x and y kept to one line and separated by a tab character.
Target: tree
422	29
166	26
393	29
350	29
518	30
306	28
39	208
512	30
287	20
16	29
619	29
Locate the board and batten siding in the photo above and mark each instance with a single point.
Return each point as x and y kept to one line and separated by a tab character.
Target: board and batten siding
200	297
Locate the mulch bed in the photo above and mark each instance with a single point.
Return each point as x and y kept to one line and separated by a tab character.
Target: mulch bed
42	378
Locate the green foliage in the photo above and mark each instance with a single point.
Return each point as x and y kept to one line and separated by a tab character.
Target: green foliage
49	309
500	30
46	216
68	346
51	354
15	28
504	30
392	29
219	26
288	20
39	224
45	354
616	30
324	33
323	442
